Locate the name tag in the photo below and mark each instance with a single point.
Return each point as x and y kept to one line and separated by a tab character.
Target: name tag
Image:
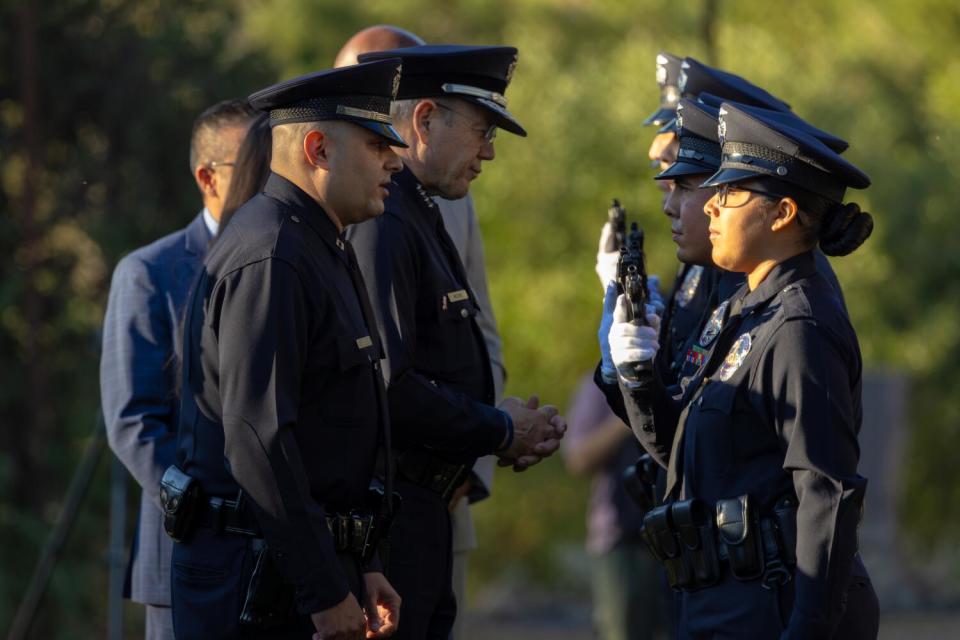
457	296
364	342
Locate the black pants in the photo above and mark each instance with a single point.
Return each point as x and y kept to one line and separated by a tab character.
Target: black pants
209	578
733	610
420	566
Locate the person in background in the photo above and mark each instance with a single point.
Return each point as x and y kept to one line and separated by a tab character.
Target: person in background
140	339
628	595
251	170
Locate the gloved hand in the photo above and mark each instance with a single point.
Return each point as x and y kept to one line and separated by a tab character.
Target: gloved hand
607	370
632	344
606	260
655	298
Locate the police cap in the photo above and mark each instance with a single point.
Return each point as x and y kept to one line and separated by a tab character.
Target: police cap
788	118
757	147
697	124
360	94
668	77
479	74
697	78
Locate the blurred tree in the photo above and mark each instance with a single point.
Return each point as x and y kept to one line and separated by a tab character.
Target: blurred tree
96	109
94	165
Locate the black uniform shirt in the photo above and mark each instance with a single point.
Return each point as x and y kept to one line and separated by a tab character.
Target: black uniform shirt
440	385
281	382
661	409
776	411
686	305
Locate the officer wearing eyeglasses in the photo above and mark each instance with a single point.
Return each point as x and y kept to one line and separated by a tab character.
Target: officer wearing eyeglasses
440	387
758	530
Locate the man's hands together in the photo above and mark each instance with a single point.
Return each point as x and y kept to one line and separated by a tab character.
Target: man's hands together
536	432
378	618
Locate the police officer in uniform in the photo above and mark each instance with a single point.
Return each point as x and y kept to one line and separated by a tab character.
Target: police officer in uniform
283	404
759	531
698	158
450	105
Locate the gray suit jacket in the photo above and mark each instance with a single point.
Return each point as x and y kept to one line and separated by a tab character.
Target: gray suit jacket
141	334
460	219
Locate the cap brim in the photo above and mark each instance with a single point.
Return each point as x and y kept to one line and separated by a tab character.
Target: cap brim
660	117
728	176
670	126
501	117
681	168
382	129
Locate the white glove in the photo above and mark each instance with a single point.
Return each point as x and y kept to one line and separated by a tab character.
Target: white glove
655	298
631	344
607	371
606	260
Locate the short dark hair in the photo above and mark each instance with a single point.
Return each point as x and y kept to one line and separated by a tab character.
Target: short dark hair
227	113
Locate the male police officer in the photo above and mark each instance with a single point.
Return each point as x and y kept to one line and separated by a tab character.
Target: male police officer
450	103
460	221
141	333
283	408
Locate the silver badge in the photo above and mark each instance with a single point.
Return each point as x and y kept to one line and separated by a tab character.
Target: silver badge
396	82
714	325
682	80
722	127
736	356
511	68
680	116
689	286
661	70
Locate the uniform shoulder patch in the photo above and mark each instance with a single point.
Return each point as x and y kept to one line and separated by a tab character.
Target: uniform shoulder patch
735	357
688	288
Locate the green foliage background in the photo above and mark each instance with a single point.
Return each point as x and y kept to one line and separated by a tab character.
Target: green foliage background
119	81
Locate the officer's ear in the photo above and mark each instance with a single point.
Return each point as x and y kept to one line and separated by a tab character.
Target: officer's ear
783	214
203	174
424	117
315	149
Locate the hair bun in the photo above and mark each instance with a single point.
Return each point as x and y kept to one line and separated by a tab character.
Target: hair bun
844	229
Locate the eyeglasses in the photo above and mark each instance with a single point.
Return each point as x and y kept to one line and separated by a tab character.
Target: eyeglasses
489	134
732	196
213	164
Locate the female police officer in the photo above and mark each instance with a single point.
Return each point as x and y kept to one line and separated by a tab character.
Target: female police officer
758	532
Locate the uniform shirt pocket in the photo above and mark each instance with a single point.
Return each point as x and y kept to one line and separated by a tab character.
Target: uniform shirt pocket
714	433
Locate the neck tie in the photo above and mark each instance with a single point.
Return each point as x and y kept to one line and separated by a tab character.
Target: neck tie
360	287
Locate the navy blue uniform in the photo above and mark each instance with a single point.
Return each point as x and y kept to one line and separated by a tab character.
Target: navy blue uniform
776	412
281	398
440	387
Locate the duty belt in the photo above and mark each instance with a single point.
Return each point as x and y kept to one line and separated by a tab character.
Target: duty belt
351	532
694	542
428	471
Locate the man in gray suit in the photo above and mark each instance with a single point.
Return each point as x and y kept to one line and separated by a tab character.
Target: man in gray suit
141	341
460	220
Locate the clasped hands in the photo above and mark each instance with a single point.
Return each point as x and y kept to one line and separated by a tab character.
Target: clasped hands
536	432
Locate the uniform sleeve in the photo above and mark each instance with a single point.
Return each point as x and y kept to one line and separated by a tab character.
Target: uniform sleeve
651	413
422	411
136	380
261	315
811	376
